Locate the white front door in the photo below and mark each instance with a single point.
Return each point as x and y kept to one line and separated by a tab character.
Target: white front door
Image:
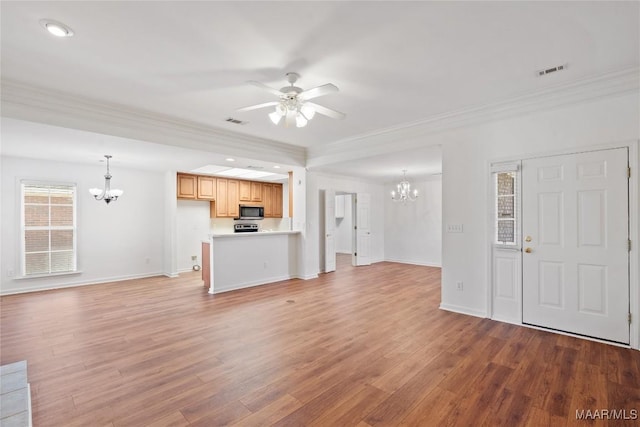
575	230
363	229
329	231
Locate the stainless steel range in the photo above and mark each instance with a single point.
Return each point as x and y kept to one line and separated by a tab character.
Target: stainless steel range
245	228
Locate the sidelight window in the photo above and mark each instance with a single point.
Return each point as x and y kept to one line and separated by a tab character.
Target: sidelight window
506	221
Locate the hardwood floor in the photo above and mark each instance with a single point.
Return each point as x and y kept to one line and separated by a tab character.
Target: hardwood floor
362	346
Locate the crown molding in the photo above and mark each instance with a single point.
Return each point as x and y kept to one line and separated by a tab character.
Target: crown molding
36	104
412	135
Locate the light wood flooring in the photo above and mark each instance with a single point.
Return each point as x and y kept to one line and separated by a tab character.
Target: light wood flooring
362	346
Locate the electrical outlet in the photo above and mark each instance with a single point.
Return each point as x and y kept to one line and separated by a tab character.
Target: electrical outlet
194	257
459	286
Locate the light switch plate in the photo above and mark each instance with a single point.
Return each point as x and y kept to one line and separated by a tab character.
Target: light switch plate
454	228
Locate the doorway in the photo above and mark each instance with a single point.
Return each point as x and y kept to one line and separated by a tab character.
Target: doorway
346	235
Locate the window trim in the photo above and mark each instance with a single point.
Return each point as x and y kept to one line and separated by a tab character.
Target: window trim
22	228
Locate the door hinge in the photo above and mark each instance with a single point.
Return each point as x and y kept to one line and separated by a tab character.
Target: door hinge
629	245
355	227
629	172
629	318
355	254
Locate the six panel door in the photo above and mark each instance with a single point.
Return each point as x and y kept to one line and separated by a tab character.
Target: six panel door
576	262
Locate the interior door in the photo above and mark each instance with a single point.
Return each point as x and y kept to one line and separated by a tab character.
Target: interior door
575	237
363	229
329	231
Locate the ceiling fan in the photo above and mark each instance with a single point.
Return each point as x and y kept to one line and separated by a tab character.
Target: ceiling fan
293	103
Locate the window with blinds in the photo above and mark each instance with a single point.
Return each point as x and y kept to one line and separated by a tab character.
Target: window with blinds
48	228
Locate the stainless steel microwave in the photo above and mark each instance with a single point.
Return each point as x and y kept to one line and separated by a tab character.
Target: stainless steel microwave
251	212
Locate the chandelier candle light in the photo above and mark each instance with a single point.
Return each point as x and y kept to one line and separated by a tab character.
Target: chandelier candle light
404	192
107	194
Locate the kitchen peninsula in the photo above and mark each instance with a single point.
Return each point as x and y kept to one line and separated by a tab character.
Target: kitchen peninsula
241	260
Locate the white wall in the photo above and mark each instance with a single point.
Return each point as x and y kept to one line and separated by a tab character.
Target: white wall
193	226
344	227
466	157
413	230
124	239
316	182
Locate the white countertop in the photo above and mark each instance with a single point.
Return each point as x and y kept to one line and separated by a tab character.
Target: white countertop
253	234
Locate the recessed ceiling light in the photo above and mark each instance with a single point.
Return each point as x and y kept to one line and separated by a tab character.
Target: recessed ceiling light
276	167
230	159
58	29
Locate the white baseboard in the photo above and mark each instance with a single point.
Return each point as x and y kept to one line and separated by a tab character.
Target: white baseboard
270	280
463	310
306	277
414	262
46	287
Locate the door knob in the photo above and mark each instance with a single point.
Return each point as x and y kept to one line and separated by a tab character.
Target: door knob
527	239
528	250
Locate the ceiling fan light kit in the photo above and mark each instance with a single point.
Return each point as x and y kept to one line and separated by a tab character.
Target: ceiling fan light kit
293	103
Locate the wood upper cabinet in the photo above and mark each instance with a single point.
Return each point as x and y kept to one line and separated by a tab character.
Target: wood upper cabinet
196	187
244	191
226	205
222	207
187	186
272	200
277	200
256	191
206	188
267	200
233	205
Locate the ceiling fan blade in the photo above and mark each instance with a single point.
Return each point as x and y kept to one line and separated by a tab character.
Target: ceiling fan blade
265	87
290	120
318	91
255	107
326	111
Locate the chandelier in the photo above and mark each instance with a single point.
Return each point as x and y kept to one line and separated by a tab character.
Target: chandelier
107	194
404	192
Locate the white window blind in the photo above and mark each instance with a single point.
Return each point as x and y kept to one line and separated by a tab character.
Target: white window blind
48	225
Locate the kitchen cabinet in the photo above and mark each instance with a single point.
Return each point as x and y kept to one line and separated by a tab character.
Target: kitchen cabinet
272	200
226	204
206	188
244	191
267	200
277	200
256	191
227	194
232	198
187	186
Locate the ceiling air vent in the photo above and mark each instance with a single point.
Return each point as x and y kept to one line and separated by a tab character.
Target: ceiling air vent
235	121
552	70
255	167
